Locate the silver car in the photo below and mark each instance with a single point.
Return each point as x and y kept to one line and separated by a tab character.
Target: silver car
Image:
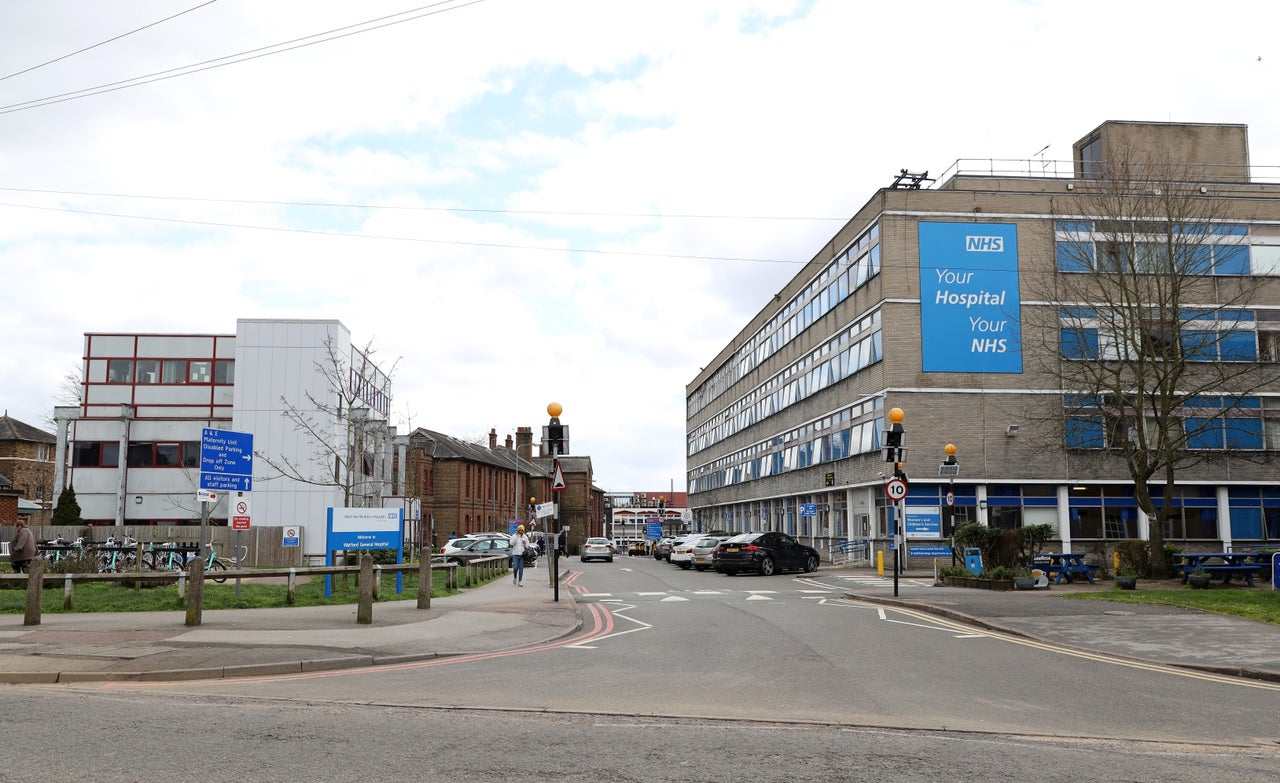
703	550
596	549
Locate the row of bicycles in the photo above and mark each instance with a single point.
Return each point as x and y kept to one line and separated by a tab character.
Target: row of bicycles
119	556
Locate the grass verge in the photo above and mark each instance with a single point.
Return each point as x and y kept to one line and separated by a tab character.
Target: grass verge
1256	603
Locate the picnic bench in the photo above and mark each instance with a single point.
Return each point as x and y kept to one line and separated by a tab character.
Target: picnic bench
1065	565
1224	564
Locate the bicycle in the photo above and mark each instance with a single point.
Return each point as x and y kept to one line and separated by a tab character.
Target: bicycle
170	557
113	557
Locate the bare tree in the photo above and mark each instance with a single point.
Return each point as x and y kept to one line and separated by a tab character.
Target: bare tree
346	438
1156	349
70	392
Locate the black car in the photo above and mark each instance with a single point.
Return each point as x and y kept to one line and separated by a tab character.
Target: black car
764	553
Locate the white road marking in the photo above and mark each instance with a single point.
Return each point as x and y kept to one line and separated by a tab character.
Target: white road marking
673	598
771	592
759	597
661	593
596	595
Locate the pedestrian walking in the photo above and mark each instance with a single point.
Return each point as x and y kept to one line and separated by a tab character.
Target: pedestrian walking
23	548
519	543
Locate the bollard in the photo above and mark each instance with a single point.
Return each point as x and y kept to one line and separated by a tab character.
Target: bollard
35	591
377	582
1115	559
67	587
293	580
424	579
880	563
364	610
195	595
182	588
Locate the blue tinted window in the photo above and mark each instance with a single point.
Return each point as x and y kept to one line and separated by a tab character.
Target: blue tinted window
1084	432
1203	433
1199	345
1246	523
1235	315
1231	260
1078	313
1074	226
1075	256
1200	260
1231	229
1239	347
1244	433
1079	343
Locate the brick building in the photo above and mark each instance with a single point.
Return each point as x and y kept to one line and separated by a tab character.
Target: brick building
27	462
466	487
941	301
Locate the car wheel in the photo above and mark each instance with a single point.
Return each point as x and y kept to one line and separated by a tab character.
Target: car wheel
610	560
728	572
766	566
811	564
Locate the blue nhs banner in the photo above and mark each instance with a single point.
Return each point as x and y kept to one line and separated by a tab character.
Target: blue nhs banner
970	310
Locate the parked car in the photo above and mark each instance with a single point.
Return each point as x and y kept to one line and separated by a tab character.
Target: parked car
704	551
662	549
463	542
471	549
765	553
682	550
596	549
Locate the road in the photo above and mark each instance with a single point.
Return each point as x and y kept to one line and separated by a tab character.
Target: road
687	676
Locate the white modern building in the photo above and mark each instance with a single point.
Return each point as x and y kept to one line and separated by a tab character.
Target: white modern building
315	404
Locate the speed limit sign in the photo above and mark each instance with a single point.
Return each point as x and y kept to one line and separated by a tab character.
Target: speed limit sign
895	488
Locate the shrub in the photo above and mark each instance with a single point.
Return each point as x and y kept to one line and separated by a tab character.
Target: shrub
1135	557
85	562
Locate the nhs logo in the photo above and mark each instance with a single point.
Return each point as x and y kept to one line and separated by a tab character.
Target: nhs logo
975	244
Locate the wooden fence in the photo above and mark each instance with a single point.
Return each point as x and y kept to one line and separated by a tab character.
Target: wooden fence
484	568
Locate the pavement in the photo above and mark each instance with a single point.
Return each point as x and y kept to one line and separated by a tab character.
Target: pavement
158	646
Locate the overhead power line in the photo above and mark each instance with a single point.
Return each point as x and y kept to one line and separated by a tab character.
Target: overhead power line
409	208
240	57
460	243
104	43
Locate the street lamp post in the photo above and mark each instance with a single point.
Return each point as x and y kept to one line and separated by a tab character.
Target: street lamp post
555	441
895	451
950	468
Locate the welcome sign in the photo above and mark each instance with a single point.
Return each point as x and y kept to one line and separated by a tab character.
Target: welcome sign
970	310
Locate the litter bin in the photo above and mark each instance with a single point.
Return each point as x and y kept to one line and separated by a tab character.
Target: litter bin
973	560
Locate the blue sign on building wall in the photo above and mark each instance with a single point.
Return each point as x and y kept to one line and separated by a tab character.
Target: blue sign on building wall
970	309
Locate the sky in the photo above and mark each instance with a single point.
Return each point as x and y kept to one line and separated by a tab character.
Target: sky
519	202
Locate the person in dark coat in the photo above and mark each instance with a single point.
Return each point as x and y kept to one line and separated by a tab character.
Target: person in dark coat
23	549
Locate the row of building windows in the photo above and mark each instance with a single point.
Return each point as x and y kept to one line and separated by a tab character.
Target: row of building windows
853	267
854	349
1195	335
853	430
171	371
1209	423
140	454
1220	249
1111	511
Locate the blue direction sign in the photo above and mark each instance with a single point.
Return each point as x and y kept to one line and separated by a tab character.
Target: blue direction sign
226	460
808	509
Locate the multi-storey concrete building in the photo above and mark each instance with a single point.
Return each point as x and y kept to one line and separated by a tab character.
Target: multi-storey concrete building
315	404
949	302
